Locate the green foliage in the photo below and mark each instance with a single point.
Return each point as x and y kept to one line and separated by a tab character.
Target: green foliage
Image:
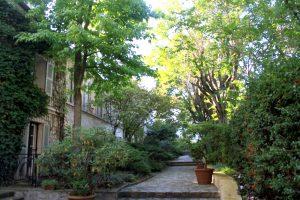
81	187
160	141
20	98
49	183
219	167
115	179
131	106
138	162
78	165
198	152
199	62
213	142
265	134
161	131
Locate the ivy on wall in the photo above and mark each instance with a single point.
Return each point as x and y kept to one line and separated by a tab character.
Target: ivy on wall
20	98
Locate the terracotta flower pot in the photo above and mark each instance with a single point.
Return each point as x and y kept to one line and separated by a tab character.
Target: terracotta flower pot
204	175
90	197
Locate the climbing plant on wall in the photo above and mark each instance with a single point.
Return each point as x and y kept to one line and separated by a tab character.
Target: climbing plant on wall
20	99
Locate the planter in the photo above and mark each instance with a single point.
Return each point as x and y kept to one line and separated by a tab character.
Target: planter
90	197
204	175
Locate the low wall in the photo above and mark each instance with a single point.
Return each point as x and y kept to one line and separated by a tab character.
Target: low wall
41	194
227	186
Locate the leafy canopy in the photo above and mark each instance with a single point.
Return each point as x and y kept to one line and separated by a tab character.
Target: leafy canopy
101	30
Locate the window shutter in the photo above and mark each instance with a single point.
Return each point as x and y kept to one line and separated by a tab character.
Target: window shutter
46	135
49	78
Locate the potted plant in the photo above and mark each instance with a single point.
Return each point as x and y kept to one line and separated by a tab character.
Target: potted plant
203	174
49	184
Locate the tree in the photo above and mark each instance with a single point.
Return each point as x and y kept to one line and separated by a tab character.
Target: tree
201	60
96	35
131	107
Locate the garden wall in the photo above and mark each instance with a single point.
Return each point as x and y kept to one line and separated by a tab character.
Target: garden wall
41	194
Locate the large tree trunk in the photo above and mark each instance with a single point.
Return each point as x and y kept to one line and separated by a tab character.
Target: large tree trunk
209	93
78	80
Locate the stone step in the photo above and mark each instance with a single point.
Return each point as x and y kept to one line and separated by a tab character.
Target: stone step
169	198
18	198
191	195
7	194
13	198
174	163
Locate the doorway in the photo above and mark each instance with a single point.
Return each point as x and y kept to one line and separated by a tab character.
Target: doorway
32	147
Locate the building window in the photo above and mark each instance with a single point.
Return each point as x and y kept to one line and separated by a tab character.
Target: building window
49	78
46	135
85	102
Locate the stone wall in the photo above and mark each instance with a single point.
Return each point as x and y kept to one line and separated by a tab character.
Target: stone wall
41	194
88	120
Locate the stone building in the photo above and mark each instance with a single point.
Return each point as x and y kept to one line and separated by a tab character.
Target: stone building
42	131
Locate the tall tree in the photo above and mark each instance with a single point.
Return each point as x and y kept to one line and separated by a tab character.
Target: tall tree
202	57
96	35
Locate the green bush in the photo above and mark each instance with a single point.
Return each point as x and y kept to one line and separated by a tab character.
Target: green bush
160	141
138	161
157	166
55	162
77	165
213	141
115	179
49	183
266	134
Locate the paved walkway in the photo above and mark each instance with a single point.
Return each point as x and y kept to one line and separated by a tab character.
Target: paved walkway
173	182
185	158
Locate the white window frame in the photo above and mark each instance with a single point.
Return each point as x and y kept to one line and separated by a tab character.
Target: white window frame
49	78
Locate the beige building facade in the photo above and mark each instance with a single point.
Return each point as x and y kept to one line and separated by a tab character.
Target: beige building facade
42	131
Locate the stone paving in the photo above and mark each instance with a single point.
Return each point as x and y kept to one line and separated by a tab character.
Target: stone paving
185	158
173	182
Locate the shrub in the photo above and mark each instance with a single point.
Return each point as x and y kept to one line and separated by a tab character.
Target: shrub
53	184
213	141
157	166
115	179
77	165
160	141
138	161
266	134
